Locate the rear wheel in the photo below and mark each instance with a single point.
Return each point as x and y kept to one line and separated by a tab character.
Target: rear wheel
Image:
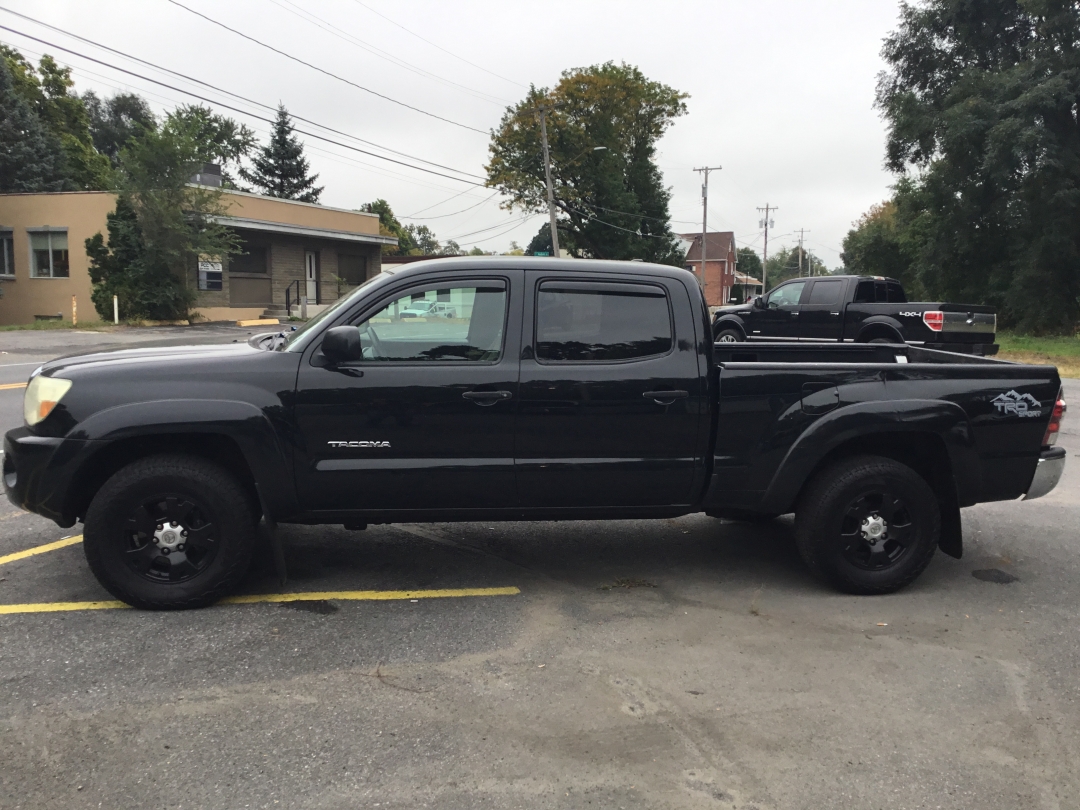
868	525
729	336
170	532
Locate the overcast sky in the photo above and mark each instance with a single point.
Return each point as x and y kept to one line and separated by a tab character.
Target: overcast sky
781	93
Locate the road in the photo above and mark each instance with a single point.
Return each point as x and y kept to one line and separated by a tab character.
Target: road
686	663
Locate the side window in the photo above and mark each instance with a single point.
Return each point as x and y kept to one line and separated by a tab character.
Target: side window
864	293
7	255
825	293
896	293
602	321
787	295
49	254
460	322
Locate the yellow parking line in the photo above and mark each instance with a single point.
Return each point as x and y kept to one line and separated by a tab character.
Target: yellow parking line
248	599
7	386
30	552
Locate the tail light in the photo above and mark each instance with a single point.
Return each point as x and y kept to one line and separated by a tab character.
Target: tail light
935	319
1056	416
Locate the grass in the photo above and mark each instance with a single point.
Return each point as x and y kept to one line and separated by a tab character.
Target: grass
1061	351
48	325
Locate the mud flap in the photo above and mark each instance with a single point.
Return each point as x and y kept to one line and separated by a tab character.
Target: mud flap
952	531
272	536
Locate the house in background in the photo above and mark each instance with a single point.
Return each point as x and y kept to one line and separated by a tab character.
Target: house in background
718	276
291	249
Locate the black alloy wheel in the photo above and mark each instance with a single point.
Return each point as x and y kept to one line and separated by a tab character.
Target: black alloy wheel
867	524
171	532
170	539
876	531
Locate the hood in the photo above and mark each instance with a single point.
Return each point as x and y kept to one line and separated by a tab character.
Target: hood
119	356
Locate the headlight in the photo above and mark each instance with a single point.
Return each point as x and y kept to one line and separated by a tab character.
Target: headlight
42	395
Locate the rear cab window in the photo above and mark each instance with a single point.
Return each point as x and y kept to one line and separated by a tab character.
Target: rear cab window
601	321
825	293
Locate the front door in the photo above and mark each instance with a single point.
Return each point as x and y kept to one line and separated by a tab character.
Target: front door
426	419
311	267
779	319
610	394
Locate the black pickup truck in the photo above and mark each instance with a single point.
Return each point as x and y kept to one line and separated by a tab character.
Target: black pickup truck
557	389
859	309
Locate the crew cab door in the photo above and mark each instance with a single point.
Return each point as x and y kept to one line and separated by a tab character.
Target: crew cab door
779	319
820	318
426	419
610	393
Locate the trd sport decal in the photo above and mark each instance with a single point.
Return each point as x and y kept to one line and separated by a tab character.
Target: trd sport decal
359	444
1017	404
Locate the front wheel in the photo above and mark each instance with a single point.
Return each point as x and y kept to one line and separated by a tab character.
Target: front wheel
868	525
170	532
729	336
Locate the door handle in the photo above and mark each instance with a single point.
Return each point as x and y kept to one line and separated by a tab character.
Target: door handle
485	398
665	397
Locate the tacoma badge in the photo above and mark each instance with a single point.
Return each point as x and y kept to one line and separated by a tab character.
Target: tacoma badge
359	444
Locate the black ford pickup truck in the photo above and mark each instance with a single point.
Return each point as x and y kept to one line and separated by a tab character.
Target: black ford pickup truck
557	389
859	309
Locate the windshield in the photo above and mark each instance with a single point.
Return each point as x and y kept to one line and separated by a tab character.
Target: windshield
289	340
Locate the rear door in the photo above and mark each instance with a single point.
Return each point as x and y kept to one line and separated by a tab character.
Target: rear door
426	419
610	394
820	316
779	319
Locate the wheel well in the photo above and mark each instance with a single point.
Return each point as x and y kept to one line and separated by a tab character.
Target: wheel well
879	330
927	455
722	325
217	448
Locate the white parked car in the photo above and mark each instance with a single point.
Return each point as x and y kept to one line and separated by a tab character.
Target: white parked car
428	309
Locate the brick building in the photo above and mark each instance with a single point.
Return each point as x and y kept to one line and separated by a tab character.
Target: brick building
720	258
290	249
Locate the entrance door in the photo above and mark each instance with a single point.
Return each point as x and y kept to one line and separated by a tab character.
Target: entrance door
426	419
610	394
311	263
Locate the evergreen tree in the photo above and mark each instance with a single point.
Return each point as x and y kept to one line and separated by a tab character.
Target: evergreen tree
31	158
280	169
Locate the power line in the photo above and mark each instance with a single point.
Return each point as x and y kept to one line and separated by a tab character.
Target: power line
215	88
238	110
322	70
436	45
326	25
455	213
491	228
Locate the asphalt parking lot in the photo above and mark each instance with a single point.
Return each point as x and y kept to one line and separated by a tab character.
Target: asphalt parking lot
687	663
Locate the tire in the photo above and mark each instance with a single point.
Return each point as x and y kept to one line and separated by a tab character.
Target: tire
139	558
881	340
842	510
728	336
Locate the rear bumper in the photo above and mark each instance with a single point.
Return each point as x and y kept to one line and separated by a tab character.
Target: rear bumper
38	470
1047	473
980	349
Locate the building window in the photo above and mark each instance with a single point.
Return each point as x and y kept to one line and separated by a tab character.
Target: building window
209	273
49	254
7	255
252	260
352	269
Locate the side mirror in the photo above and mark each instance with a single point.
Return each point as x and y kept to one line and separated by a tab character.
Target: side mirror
759	302
342	344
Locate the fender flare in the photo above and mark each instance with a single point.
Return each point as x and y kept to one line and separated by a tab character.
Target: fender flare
243	422
729	321
880	322
945	420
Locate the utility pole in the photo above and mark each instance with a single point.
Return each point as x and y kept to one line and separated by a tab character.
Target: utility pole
544	110
766	222
705	218
801	232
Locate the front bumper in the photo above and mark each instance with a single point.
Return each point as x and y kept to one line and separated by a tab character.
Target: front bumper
38	472
1047	473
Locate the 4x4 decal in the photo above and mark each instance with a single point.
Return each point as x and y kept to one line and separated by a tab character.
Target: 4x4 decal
1017	404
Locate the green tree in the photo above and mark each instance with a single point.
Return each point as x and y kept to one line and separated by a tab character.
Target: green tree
423	239
221	139
48	91
981	105
30	155
116	120
159	229
390	225
280	169
749	262
612	202
876	245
